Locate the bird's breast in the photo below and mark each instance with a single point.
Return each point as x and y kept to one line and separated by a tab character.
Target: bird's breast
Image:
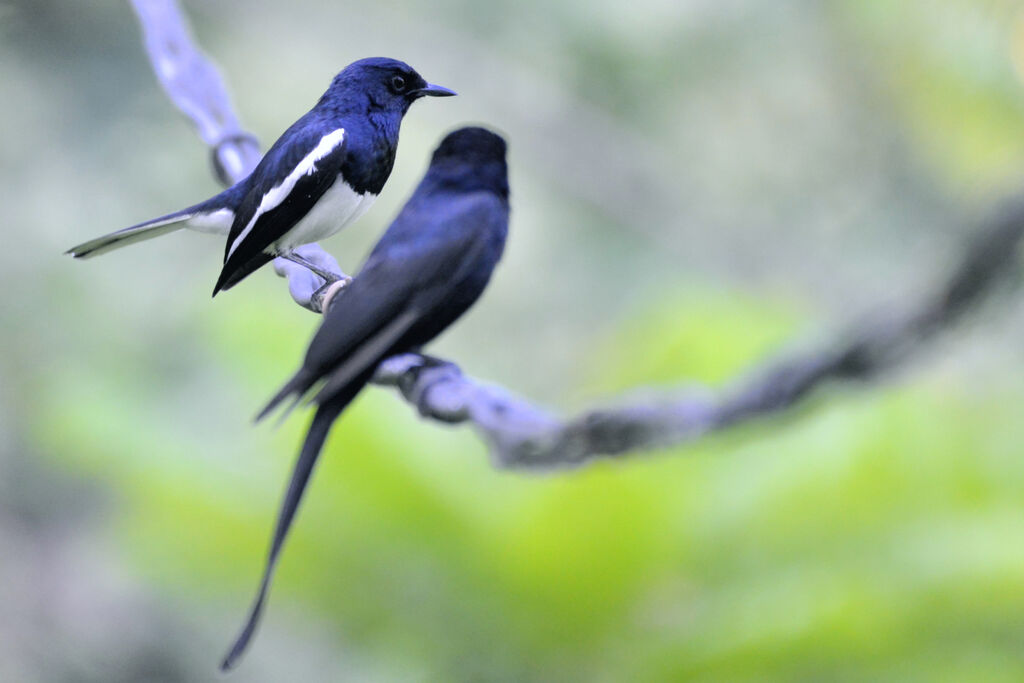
339	206
368	167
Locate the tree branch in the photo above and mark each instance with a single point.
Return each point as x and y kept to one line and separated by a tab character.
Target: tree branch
521	435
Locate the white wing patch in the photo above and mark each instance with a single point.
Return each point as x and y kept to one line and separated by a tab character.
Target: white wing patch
280	192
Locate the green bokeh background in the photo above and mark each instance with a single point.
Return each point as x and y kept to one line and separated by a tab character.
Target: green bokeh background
697	186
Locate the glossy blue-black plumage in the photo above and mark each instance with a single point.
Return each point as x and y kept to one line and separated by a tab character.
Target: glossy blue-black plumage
430	266
368	100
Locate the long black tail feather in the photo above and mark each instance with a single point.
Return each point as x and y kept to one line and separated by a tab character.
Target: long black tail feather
321	425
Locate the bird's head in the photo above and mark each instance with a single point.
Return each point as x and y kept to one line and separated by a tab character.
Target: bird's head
388	84
472	157
471	143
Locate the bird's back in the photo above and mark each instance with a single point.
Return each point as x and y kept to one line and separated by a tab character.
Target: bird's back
471	232
435	260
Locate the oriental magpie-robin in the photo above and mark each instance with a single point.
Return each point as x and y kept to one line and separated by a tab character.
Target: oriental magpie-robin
323	173
429	267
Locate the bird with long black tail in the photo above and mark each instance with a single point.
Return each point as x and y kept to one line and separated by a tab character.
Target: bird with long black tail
323	173
430	266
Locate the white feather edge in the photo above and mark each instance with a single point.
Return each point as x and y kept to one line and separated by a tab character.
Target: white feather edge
218	221
280	192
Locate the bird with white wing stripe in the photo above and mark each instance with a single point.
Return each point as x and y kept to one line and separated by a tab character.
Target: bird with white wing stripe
323	173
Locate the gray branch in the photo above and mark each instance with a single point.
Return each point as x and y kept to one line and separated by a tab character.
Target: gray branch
520	435
525	436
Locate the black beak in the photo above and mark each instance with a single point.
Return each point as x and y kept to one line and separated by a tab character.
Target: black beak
431	90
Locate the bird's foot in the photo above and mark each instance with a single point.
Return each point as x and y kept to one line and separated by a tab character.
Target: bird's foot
327	276
323	297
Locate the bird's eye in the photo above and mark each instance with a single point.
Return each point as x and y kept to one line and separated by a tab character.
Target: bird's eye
398	83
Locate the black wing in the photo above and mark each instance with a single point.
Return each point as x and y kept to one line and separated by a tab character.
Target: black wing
290	180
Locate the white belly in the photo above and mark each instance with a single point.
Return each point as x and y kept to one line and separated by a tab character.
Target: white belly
338	207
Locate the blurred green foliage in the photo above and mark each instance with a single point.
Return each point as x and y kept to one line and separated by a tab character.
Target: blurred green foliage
696	186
